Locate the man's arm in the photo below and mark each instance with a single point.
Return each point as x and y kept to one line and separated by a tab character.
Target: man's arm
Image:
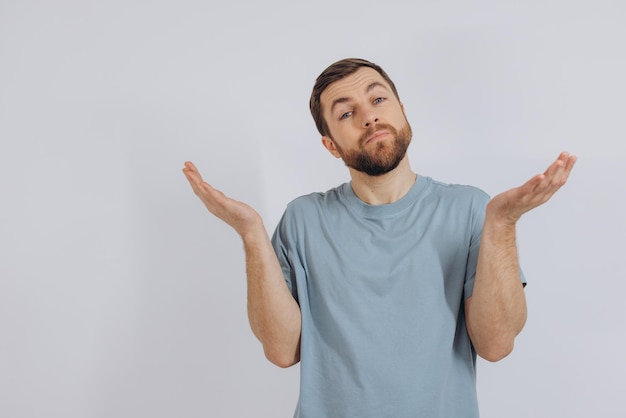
496	311
273	313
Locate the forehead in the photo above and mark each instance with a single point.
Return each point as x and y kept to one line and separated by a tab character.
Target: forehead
350	86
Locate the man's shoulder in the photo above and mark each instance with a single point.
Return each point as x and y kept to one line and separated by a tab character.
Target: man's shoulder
317	199
456	190
307	210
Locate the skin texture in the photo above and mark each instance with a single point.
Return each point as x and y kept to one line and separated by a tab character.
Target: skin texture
365	118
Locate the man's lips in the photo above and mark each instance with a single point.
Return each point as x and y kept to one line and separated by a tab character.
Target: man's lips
377	135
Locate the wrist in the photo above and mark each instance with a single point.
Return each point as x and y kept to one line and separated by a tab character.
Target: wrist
254	233
499	216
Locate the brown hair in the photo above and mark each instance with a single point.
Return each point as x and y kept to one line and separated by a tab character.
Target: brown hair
336	72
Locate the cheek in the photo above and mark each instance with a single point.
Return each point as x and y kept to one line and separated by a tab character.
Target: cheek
341	133
401	118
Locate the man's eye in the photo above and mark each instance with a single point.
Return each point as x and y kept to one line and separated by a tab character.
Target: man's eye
379	100
346	115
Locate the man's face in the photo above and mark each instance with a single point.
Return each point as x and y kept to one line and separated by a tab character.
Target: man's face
368	128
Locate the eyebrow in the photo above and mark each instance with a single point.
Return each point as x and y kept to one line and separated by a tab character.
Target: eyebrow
369	88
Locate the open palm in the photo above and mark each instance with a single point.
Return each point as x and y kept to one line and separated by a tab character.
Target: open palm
238	215
509	206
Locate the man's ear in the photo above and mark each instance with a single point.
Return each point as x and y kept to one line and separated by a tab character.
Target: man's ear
329	144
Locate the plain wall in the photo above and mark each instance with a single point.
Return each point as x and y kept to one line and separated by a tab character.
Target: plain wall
120	296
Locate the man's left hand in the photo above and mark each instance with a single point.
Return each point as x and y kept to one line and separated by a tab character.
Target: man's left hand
509	206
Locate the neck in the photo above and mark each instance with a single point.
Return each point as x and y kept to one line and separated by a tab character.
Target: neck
385	189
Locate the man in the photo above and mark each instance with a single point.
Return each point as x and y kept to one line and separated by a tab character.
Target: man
384	288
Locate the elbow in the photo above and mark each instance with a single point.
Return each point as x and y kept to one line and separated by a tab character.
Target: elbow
283	362
282	358
495	352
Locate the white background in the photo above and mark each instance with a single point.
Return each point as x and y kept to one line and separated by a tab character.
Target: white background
120	296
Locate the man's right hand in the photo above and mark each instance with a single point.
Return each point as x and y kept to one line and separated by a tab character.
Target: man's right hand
237	214
273	312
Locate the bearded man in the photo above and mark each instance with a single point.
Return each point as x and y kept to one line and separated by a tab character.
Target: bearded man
385	288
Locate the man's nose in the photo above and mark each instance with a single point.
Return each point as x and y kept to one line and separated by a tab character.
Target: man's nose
370	119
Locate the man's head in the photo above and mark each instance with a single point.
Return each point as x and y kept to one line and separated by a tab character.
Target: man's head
357	110
336	72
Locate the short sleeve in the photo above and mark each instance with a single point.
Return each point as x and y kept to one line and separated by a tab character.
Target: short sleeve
283	243
479	207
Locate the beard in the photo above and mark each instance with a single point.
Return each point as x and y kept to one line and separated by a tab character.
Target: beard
383	156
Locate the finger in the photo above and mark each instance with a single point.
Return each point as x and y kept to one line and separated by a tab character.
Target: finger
570	163
533	184
207	193
190	169
193	176
563	174
554	178
541	186
559	172
556	165
567	160
563	156
194	180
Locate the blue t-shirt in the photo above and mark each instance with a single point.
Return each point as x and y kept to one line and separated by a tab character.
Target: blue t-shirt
381	289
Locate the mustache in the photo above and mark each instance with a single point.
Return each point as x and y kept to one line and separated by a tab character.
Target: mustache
378	127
